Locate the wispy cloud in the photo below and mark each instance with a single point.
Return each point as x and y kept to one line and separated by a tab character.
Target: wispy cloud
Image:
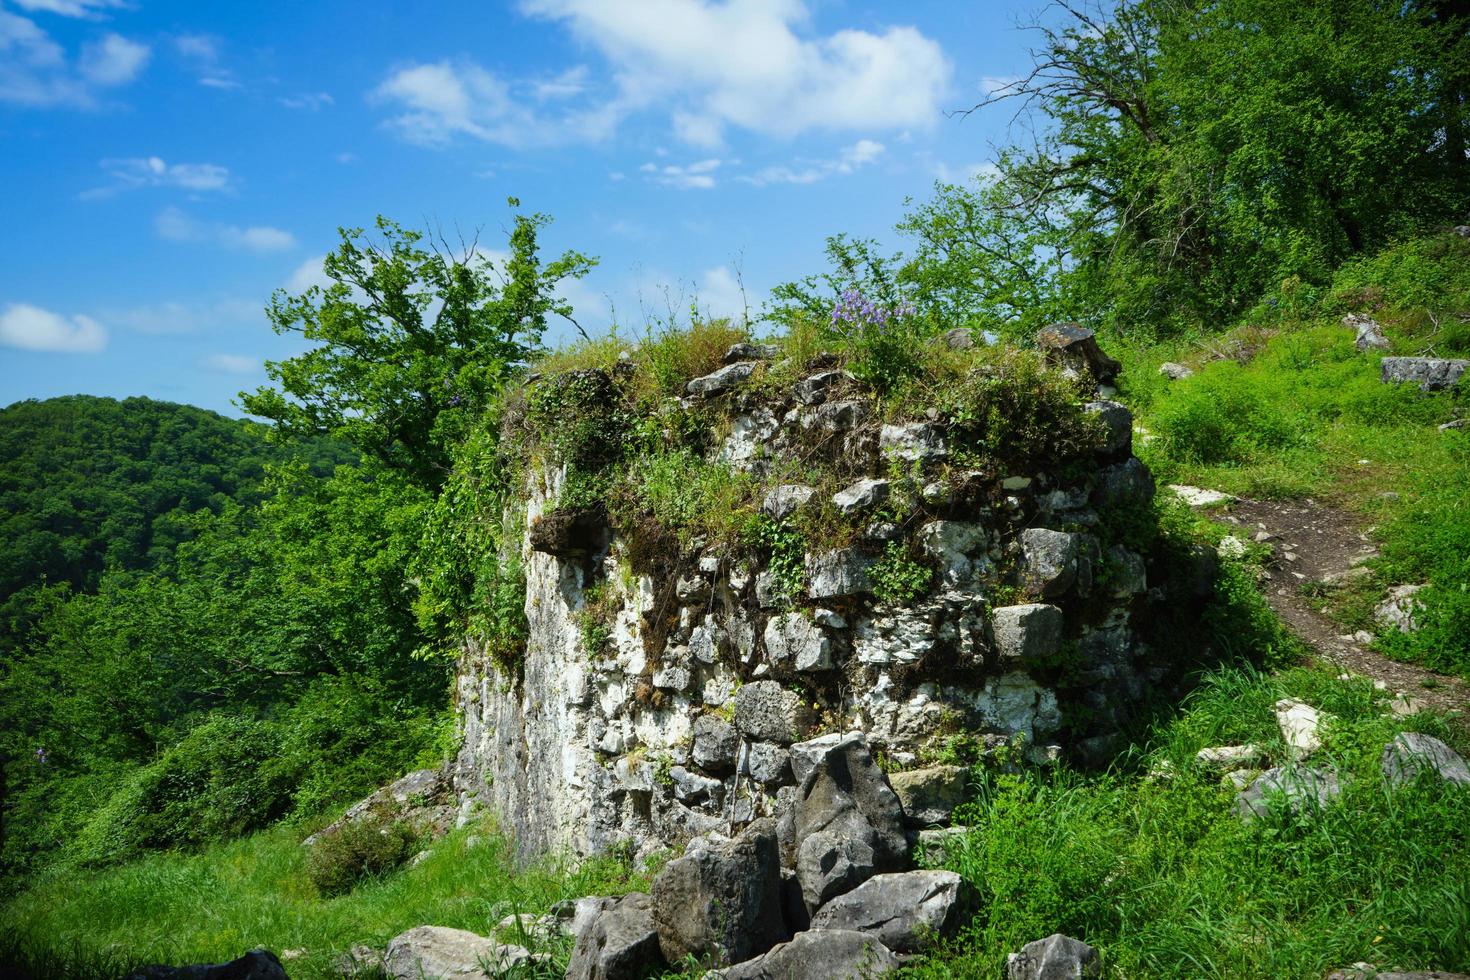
230	364
132	173
90	9
699	175
176	226
859	154
32	328
310	101
203	54
36	72
174	317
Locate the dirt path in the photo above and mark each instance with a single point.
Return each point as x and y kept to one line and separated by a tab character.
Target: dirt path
1311	543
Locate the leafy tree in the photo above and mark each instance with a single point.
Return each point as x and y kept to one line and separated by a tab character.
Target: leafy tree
416	340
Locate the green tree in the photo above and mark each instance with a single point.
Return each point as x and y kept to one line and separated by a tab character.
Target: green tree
417	338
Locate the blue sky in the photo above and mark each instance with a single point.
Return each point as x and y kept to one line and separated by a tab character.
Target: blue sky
166	166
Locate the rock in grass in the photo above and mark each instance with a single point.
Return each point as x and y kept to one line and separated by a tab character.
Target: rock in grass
1057	957
828	954
1366	971
907	912
1074	348
1369	332
1398	610
1299	723
929	796
1230	758
437	951
723	380
1429	373
621	943
1298	789
1413	754
1174	371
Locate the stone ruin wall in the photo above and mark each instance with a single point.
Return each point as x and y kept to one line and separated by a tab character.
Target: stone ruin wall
1031	644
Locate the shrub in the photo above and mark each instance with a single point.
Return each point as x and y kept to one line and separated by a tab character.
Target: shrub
897	577
369	847
214	784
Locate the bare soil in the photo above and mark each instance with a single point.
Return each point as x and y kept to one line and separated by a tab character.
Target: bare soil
1312	542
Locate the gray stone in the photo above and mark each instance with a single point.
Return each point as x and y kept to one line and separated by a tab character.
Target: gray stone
1128	571
768	763
1074	348
1117	422
692	788
907	911
692	590
835	574
1229	758
770	591
960	338
722	904
805	755
830	954
1057	957
912	442
1412	754
438	952
951	544
793	640
750	352
718	382
424	799
716	744
1369	334
935	843
862	495
1366	971
1026	633
1049	561
1299	723
848	821
814	390
1128	481
767	712
1298	789
838	416
258	964
1174	371
621	943
708	641
929	796
784	500
1429	373
1398	610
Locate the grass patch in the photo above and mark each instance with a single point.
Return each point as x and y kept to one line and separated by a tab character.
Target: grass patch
1166	882
258	891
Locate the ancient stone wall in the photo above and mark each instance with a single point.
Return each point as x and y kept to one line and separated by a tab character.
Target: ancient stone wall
1029	642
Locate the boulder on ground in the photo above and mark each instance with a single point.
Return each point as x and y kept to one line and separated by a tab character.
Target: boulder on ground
846	824
1369	334
441	952
1229	758
1299	723
1118	425
619	943
1074	348
907	912
1399	609
258	964
424	799
1429	373
722	904
718	382
1366	971
1057	957
1413	754
829	954
929	796
1298	789
1174	371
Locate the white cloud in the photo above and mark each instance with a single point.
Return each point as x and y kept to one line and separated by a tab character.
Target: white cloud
203	54
859	154
171	317
742	63
719	294
130	173
965	173
311	101
308	274
698	175
569	83
32	328
114	60
69	8
35	71
177	226
231	364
